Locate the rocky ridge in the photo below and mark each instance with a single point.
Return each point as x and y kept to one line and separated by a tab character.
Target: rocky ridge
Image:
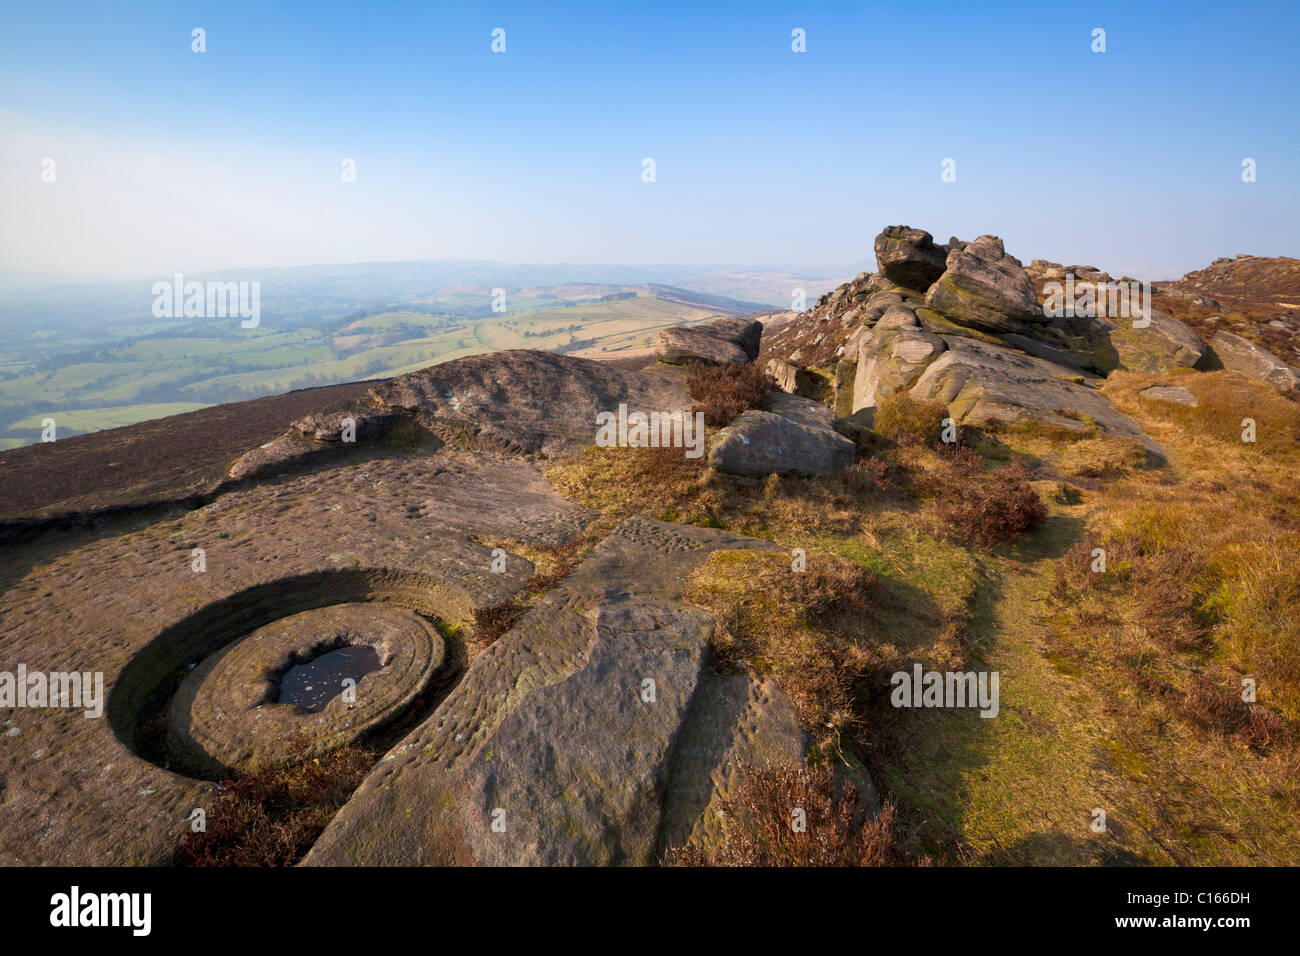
595	729
978	338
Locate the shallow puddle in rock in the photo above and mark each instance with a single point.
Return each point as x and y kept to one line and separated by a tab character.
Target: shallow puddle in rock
313	685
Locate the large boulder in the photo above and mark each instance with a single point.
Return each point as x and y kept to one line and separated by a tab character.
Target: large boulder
723	342
891	356
985	288
797	435
1160	347
1241	355
983	383
527	402
1046	269
799	409
909	257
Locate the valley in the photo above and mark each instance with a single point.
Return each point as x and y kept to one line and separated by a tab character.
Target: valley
193	364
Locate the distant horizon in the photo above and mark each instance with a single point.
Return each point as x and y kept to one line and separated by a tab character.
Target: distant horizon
819	270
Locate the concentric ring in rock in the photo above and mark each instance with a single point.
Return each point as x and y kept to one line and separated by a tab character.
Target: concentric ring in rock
226	715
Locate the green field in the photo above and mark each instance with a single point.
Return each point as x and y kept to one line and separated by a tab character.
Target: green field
146	378
94	419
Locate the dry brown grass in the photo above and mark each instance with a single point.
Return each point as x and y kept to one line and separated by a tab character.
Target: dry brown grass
662	483
1225	400
758	824
808	630
1075	453
1201	591
902	419
828	635
1103	457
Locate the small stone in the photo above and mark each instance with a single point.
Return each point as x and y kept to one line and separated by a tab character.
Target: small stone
1169	393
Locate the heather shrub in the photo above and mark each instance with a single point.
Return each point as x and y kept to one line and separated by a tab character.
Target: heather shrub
722	392
994	508
493	621
757	831
869	475
810	631
1214	705
272	816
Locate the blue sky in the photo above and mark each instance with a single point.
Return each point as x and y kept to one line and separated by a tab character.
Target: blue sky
169	160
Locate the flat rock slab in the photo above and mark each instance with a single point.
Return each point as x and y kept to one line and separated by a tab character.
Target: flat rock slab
549	751
1237	354
527	402
723	342
737	721
1049	351
982	383
417	532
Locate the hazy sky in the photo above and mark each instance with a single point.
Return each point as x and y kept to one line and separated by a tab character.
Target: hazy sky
168	160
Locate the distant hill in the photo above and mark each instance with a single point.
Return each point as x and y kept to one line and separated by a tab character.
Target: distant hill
771	288
1254	296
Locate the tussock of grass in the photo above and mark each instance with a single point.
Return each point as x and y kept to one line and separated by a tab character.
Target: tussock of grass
902	419
1035	429
810	630
1103	457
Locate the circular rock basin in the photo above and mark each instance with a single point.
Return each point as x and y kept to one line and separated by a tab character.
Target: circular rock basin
232	713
